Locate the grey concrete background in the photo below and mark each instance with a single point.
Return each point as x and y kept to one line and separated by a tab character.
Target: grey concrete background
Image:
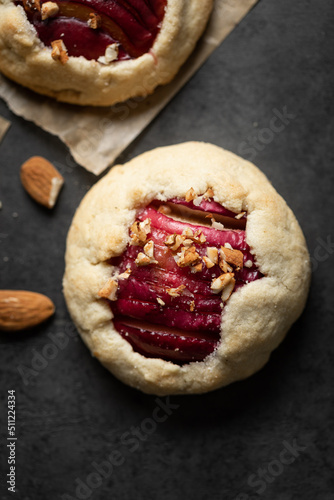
72	415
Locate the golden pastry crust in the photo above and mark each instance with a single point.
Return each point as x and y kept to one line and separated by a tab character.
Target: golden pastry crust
256	317
26	60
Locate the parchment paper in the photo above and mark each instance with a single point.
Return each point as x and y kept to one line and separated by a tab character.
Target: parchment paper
96	136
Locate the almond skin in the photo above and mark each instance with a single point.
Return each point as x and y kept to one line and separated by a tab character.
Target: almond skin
41	180
20	309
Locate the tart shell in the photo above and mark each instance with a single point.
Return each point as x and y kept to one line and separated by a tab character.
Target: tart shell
26	60
256	317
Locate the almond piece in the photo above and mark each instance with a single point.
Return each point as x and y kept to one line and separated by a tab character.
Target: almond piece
197	268
212	253
142	259
94	21
188	257
217	225
187	242
110	55
233	257
125	275
228	289
59	51
109	290
174	241
208	262
139	232
190	195
41	180
218	284
146	258
175	292
20	309
49	9
208	194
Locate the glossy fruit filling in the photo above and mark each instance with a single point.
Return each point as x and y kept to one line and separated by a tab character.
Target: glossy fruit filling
184	261
88	27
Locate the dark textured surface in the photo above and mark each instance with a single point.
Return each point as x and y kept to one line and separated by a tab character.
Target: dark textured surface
71	413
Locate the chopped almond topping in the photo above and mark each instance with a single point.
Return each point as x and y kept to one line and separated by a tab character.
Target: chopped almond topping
187	242
218	284
212	253
198	268
32	6
139	232
142	259
178	241
175	292
238	216
233	257
186	239
94	21
125	275
208	194
228	289
160	301
146	258
59	51
197	237
190	195
208	262
188	232
145	226
170	240
197	201
224	266
49	9
135	241
174	241
192	306
202	238
217	225
228	245
149	251
109	290
188	257
248	263
110	54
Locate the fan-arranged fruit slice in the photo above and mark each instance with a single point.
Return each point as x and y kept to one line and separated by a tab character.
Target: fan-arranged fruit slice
166	344
185	259
104	30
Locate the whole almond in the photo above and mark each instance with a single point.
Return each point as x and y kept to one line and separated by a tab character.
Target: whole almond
41	180
20	309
